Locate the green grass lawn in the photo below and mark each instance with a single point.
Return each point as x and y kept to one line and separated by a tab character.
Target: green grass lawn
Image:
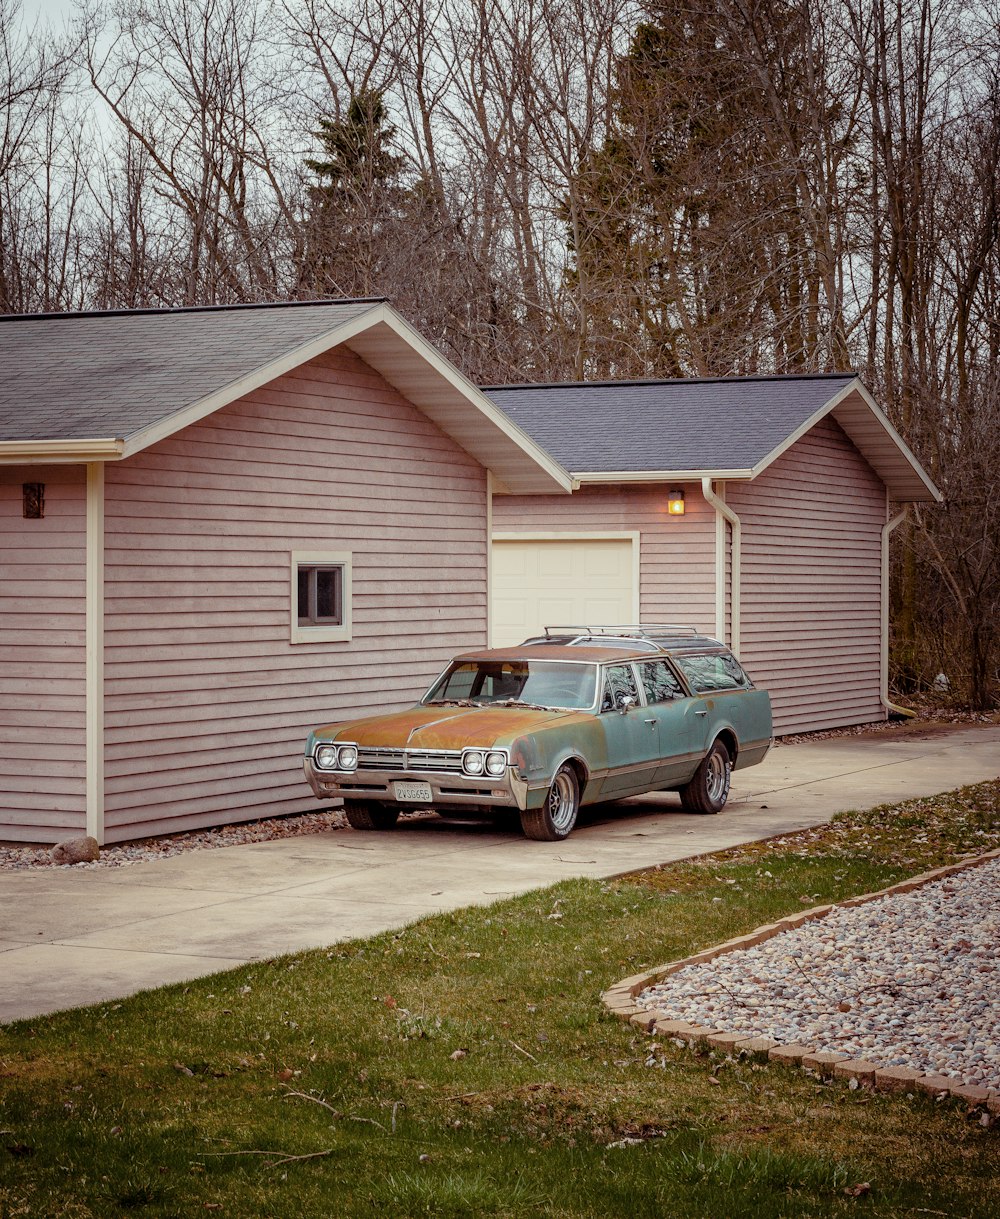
466	1066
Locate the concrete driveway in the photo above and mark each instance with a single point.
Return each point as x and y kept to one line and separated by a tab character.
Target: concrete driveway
70	936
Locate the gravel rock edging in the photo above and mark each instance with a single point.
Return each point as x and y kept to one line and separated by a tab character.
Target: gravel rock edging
620	1000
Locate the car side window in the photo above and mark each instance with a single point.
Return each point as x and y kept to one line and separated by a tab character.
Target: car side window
721	671
619	683
659	682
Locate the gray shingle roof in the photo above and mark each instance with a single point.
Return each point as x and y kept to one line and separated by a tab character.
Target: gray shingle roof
80	376
608	427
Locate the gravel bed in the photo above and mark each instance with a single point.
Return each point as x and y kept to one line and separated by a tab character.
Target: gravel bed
17	858
927	717
910	980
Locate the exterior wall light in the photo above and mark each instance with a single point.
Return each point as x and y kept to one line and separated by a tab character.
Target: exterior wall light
675	502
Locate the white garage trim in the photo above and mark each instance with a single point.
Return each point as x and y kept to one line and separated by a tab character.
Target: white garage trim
557	535
891	523
490	492
724	513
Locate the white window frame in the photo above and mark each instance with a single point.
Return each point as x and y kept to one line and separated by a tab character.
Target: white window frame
339	633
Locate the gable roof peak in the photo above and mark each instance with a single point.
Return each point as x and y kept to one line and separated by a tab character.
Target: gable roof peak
103	386
718	427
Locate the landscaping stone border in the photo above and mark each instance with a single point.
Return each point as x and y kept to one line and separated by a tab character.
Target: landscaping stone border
620	1001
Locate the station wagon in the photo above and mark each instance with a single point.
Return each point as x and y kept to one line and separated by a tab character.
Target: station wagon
573	717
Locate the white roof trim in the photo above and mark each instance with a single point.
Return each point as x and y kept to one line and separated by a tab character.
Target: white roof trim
903	476
246	384
896	438
21	452
551	476
465	413
658	476
809	424
899	492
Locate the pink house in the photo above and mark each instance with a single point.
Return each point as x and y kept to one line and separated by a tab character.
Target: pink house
223	526
789	490
220	526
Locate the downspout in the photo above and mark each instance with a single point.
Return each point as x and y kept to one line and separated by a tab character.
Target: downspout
95	650
489	558
724	513
887	529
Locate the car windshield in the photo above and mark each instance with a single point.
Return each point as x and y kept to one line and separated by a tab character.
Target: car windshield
536	683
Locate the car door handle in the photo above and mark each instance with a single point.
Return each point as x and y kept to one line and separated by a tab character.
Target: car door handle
701	713
652	721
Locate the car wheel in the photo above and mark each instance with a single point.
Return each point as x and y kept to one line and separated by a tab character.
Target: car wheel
708	791
557	816
365	815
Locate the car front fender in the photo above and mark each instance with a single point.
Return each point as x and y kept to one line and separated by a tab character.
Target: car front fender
537	757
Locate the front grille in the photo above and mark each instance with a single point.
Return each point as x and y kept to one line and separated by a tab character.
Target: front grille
446	760
426	759
381	759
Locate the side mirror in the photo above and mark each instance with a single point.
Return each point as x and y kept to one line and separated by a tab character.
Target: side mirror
625	703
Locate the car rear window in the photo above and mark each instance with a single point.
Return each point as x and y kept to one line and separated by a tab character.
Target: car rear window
717	671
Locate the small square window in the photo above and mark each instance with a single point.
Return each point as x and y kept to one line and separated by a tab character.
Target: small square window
321	597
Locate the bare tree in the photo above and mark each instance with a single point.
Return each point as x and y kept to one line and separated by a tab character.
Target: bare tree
568	188
195	87
39	166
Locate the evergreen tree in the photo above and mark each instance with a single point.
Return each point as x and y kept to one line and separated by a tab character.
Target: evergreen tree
357	205
357	163
698	252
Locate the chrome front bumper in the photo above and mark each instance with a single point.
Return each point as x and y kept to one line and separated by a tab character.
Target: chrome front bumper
448	790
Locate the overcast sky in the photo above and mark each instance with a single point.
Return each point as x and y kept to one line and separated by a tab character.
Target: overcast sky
54	11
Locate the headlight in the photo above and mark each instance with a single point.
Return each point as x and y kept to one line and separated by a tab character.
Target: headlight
473	762
336	757
496	762
492	762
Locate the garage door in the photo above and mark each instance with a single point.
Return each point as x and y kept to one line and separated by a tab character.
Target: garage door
583	581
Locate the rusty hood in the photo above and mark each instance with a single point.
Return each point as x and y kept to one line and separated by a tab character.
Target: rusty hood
444	727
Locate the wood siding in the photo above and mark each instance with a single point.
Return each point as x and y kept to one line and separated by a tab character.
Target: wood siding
677	554
208	703
811	570
43	656
812	581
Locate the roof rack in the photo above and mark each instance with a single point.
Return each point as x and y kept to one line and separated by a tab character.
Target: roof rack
652	631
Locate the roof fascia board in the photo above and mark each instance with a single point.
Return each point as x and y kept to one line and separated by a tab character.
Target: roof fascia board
856	385
444	368
656	476
897	439
254	380
59	452
339	336
809	424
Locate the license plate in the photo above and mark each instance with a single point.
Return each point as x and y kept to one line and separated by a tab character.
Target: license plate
412	791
